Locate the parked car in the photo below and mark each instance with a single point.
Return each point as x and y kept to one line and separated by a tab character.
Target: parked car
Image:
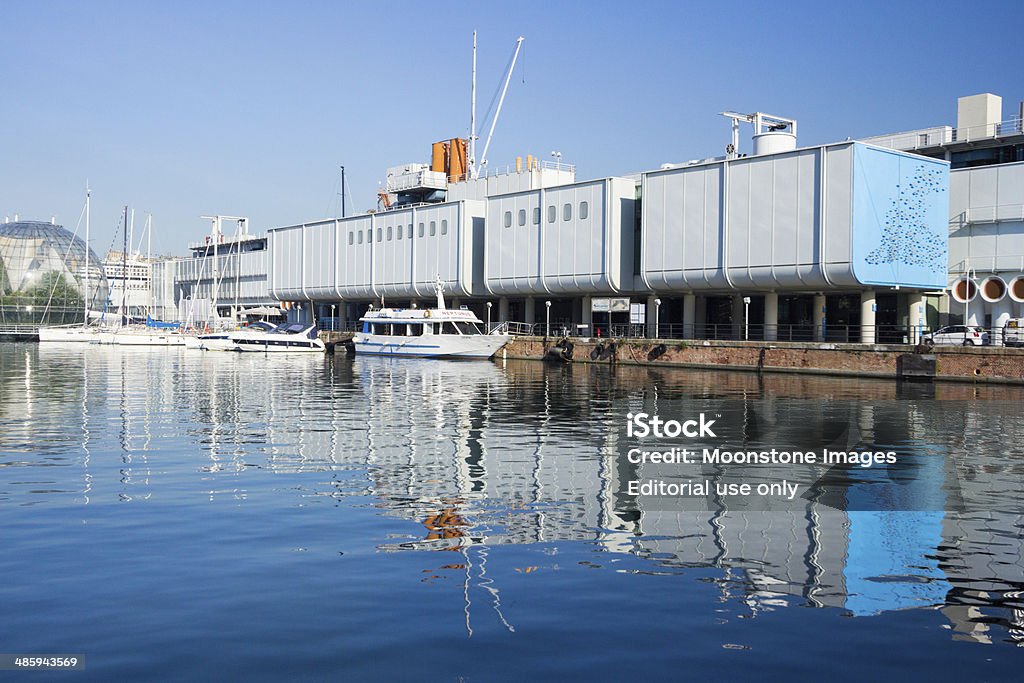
959	335
1013	332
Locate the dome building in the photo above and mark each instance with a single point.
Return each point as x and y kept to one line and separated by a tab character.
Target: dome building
42	275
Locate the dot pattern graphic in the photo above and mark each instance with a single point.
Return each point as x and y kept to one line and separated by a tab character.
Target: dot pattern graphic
906	237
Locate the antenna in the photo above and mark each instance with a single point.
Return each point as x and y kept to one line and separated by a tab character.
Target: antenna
504	89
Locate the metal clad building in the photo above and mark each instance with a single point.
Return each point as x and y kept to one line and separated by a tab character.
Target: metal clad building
842	215
400	253
572	239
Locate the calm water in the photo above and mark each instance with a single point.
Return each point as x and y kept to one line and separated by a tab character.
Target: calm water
190	515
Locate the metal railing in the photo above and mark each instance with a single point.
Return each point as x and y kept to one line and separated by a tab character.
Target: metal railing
944	135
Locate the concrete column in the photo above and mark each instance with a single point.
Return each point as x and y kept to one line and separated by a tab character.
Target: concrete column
689	315
819	317
917	316
771	316
737	316
867	317
1001	313
456	302
529	310
975	311
503	309
652	317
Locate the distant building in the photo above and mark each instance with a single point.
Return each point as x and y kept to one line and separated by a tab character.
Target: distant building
129	282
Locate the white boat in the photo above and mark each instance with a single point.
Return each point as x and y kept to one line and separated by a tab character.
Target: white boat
289	337
426	333
75	333
221	341
142	336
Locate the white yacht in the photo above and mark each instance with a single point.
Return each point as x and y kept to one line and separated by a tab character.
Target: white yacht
221	341
289	337
426	333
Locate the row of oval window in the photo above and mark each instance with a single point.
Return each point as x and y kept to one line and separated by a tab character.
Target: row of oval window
552	214
357	235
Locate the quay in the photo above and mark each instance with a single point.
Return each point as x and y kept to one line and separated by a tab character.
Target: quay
982	364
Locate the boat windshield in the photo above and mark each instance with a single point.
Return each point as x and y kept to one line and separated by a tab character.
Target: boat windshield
288	328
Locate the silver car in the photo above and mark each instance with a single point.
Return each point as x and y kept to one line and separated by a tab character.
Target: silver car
958	335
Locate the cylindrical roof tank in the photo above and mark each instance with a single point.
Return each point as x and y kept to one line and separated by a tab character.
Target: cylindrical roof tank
774	142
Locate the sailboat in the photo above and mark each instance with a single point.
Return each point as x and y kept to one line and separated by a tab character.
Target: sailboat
74	333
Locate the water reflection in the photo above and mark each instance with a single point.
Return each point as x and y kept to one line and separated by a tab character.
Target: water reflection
472	456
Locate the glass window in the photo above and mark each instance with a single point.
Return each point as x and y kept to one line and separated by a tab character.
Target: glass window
421	229
552	213
369	235
360	237
399	232
351	237
433	228
508	219
391	232
584	210
410	231
536	215
379	234
444	226
567	212
522	217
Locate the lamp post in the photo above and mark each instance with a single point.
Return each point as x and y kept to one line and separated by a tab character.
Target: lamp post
333	319
489	304
547	328
746	318
657	316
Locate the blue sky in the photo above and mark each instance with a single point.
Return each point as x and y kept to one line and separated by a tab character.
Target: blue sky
185	108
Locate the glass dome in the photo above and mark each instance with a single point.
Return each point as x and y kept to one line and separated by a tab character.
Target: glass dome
42	275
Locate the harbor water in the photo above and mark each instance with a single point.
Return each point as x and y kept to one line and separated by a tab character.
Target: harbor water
189	515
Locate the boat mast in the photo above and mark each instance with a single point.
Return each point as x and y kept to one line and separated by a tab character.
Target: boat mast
124	270
472	117
501	101
86	293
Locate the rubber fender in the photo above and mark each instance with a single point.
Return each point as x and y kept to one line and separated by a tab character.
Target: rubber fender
597	352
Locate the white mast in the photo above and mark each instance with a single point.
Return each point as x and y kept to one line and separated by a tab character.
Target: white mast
149	259
504	89
472	117
86	297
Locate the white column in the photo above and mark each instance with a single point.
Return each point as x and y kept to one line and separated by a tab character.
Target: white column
652	317
1000	315
867	317
503	309
689	315
529	310
917	317
456	302
819	317
702	317
975	311
771	316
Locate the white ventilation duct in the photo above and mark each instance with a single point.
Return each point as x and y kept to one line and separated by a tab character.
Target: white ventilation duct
963	290
993	289
1016	289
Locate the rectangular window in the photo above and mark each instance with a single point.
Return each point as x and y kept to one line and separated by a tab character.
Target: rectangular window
584	210
369	235
522	217
444	226
380	234
433	228
536	215
567	212
508	219
360	237
552	214
399	232
351	238
410	231
391	233
421	229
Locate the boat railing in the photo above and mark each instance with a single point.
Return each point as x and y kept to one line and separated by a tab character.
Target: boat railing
511	328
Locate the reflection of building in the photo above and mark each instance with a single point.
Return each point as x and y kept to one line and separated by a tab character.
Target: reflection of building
42	274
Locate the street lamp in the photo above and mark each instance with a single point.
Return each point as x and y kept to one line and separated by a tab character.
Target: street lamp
746	318
558	157
547	331
333	319
489	304
657	316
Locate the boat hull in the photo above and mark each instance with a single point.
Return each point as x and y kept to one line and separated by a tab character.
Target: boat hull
474	346
68	334
145	339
